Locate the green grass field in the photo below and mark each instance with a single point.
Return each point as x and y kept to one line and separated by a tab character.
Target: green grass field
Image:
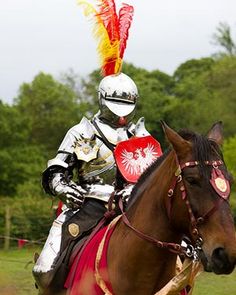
15	272
16	278
210	284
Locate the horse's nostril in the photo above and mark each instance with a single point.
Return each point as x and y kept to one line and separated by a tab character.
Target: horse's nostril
219	253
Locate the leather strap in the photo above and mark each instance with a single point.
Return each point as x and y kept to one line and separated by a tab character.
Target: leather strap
103	137
173	247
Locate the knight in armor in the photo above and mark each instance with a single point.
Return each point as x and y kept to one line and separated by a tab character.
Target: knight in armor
80	174
83	174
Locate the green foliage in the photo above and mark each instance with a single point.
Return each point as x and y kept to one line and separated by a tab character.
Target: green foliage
223	38
12	132
229	150
48	108
193	68
155	95
190	96
32	129
31	217
233	203
18	165
19	161
222	84
204	93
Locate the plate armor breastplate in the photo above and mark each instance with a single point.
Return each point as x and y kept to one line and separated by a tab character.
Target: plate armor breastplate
100	160
95	161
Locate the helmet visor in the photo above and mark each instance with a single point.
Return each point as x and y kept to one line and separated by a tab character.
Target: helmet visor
120	109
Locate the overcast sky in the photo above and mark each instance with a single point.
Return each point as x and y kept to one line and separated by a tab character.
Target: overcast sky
53	36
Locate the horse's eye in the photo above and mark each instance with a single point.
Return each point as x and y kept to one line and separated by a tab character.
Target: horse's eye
193	181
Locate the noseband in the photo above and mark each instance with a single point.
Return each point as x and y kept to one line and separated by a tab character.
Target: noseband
223	191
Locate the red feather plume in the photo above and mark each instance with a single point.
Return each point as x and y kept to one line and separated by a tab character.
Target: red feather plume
107	14
125	19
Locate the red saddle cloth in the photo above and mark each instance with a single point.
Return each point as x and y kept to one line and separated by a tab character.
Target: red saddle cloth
81	279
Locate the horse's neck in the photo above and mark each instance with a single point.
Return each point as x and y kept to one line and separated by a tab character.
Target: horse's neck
149	213
139	257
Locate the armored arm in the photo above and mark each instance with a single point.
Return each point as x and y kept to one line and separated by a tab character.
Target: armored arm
57	178
57	181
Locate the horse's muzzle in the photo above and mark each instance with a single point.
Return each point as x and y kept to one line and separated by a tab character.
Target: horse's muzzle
219	262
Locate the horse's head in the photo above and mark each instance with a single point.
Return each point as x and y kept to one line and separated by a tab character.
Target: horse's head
199	197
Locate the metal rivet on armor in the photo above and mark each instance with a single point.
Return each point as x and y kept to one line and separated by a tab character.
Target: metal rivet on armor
73	229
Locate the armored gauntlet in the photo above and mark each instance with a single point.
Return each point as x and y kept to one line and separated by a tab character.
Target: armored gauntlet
69	192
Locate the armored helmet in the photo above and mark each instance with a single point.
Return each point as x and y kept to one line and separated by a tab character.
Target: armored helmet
117	96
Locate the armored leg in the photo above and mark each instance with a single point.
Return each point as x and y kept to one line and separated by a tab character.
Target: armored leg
43	269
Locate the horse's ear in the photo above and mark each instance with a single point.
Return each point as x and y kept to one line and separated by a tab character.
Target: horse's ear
180	145
216	133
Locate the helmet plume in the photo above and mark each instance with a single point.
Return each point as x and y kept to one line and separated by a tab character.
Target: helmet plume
111	31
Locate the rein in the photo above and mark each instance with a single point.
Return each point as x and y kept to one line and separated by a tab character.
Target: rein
189	250
173	247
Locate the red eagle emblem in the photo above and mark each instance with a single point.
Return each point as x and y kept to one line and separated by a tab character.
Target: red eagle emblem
133	156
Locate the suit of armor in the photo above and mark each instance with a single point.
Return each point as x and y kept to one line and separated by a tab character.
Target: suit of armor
84	151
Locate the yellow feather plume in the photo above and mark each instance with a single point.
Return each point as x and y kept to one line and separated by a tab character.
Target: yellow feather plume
108	50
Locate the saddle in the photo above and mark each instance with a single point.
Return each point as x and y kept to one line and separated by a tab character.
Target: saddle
76	232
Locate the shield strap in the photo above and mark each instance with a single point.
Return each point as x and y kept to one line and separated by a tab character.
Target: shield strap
119	181
103	137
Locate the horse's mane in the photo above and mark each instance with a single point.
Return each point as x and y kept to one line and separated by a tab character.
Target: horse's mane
203	149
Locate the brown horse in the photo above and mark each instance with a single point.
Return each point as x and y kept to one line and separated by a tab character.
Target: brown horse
185	193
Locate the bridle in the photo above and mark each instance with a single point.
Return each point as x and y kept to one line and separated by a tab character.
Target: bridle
189	250
179	179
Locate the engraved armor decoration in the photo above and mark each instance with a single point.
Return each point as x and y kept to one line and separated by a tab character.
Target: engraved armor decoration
85	149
